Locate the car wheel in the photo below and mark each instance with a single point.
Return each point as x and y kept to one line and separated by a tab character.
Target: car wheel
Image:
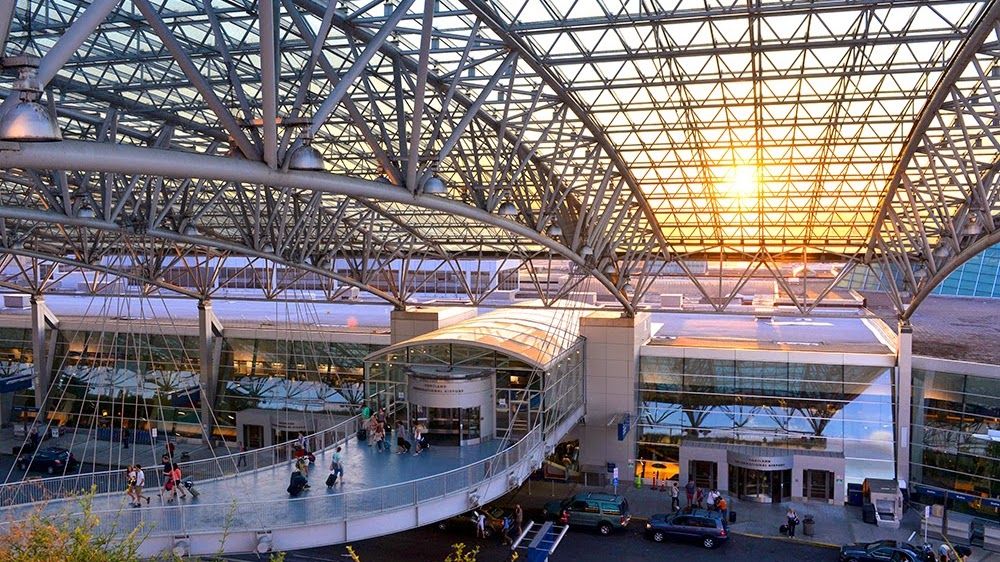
658	536
708	542
604	529
51	469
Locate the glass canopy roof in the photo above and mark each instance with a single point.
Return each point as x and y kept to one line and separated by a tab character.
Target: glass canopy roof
618	133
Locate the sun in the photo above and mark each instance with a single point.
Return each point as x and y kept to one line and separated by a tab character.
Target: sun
739	181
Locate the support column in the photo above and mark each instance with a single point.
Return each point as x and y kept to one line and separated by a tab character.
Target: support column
210	347
904	394
42	348
610	383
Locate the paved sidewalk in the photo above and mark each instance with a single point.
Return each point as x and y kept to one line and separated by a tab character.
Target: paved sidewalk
835	525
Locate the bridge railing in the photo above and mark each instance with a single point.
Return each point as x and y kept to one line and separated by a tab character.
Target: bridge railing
241	515
73	485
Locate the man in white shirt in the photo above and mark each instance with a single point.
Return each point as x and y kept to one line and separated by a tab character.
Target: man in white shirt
140	482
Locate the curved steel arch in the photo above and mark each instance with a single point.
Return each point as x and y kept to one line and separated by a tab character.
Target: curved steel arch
937	210
97	268
969	252
100	157
95	224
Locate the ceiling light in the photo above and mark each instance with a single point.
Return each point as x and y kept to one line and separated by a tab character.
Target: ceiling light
306	158
507	209
28	121
608	269
435	186
555	230
586	251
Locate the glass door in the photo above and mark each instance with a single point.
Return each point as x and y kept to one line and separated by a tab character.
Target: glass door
471	432
444	426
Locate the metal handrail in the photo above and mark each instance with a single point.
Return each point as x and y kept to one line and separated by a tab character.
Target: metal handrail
70	485
327	507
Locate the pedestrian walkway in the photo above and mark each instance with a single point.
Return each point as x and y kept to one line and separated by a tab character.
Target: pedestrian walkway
835	525
233	509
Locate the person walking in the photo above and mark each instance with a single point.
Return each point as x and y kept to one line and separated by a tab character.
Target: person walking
130	484
242	459
518	519
418	438
690	488
402	445
791	520
699	497
675	496
713	496
140	483
480	525
336	467
177	477
125	437
380	442
944	552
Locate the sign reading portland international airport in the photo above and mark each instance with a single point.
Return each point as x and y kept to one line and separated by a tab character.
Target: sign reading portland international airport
754	462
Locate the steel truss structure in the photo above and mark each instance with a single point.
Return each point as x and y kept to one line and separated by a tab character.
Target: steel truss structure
632	139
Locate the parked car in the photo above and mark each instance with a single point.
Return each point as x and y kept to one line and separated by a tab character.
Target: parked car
466	523
708	528
883	551
53	460
604	512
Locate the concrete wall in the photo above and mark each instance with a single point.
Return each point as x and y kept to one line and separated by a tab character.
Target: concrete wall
612	361
419	320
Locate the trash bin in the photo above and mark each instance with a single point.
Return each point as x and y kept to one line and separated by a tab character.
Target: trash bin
808	521
868	513
855	495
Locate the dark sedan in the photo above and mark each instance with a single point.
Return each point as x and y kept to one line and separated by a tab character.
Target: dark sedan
53	460
882	551
466	523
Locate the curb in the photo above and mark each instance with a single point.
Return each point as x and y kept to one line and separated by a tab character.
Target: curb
773	537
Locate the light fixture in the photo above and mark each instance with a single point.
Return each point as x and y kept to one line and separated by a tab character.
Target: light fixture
85	212
305	158
267	249
586	251
943	251
507	209
628	288
28	121
608	269
189	230
435	186
972	227
555	230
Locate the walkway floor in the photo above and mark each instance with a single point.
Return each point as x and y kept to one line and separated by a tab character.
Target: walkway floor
258	499
835	525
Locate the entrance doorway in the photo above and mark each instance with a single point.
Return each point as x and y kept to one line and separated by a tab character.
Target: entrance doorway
817	484
253	436
705	474
765	486
451	426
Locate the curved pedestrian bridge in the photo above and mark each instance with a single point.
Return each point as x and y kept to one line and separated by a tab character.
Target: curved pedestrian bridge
249	509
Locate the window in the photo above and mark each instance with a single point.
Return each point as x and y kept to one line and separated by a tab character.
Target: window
611	509
682	521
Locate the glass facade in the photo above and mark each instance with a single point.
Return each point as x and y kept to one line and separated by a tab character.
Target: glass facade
524	394
305	377
103	381
836	408
951	444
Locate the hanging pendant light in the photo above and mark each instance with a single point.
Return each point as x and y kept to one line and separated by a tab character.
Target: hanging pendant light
609	269
435	186
555	230
28	121
586	251
306	158
507	209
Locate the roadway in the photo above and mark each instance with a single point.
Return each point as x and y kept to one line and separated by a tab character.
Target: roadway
428	544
